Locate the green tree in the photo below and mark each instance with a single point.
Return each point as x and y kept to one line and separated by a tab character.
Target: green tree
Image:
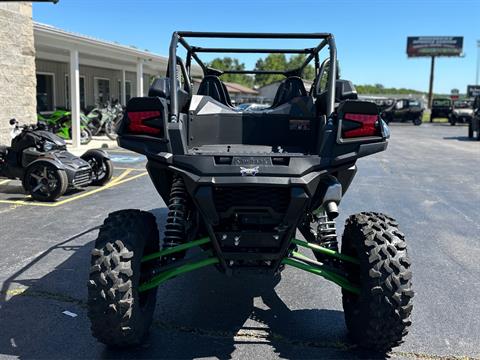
296	61
228	63
271	62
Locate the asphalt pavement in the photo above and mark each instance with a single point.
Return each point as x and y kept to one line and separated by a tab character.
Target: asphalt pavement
428	179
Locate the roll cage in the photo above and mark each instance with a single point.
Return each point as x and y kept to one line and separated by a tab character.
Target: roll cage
179	37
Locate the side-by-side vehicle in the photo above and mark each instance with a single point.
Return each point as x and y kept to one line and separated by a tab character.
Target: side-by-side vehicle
252	189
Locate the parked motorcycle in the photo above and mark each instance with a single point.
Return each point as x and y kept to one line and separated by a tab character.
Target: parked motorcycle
60	123
47	170
104	119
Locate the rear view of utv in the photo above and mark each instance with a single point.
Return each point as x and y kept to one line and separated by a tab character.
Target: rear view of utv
254	191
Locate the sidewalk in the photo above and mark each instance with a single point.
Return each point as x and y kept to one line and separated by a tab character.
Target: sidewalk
97	142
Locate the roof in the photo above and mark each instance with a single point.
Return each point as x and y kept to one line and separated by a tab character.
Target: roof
66	35
59	38
235	88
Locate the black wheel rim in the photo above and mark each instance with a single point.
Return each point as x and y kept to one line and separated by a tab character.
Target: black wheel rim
43	181
99	169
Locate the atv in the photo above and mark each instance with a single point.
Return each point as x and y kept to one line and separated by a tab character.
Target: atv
47	170
240	184
404	110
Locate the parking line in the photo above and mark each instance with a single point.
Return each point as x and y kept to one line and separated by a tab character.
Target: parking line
117	181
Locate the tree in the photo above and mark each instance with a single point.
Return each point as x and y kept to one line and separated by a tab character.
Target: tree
228	63
296	61
271	62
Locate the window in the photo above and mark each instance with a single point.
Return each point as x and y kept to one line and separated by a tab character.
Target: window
83	104
414	103
45	92
128	90
102	90
399	105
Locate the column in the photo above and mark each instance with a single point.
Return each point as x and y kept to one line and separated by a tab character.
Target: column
75	97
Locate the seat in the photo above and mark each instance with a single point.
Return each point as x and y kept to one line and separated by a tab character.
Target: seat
289	89
212	86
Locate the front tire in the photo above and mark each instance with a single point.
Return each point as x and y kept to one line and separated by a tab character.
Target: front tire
417	121
378	318
44	181
120	315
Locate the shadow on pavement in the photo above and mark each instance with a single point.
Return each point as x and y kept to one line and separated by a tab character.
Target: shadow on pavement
459	138
202	314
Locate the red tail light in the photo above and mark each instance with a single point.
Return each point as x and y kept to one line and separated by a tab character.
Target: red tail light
366	125
139	122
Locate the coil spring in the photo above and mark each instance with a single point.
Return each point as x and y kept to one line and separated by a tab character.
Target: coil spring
326	232
176	218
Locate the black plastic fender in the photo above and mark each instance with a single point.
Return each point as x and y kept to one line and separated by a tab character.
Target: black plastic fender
53	161
100	152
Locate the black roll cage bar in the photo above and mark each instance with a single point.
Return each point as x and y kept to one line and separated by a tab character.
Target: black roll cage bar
192	52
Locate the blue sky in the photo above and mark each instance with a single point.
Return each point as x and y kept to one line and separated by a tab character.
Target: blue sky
371	35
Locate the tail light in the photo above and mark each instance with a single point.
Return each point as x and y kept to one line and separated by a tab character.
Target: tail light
145	123
360	125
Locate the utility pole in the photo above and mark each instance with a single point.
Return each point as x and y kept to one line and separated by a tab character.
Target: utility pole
478	61
430	88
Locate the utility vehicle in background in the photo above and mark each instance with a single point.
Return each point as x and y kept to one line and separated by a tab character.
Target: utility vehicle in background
474	124
462	112
240	185
441	108
404	110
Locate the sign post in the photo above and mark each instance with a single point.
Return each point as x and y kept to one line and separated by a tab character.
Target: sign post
434	46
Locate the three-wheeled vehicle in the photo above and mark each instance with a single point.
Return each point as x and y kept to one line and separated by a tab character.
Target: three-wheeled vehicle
47	170
251	189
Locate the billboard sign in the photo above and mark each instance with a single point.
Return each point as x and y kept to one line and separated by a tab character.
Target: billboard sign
473	90
434	46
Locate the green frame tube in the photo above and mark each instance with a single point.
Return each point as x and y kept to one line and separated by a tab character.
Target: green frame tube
317	270
337	279
325	251
175	249
161	278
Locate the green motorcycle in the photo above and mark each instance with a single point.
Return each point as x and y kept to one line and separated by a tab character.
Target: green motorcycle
60	123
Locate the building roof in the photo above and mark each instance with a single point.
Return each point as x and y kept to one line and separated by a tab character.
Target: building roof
235	88
48	37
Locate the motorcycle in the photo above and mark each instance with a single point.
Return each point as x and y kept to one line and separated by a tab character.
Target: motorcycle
47	170
104	119
60	123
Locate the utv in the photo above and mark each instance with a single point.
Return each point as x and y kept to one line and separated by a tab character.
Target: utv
441	108
240	185
404	110
462	112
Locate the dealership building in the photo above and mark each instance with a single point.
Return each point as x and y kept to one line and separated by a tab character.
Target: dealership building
39	64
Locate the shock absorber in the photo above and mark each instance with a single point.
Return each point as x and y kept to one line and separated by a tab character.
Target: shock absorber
326	231
175	228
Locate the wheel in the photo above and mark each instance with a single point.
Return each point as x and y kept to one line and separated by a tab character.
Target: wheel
417	121
378	318
44	181
111	129
85	135
431	118
470	130
120	315
453	122
102	167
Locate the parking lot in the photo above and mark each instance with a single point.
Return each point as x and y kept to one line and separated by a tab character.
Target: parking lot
428	179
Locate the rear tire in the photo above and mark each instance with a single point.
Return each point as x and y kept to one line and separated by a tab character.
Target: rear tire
470	130
119	314
102	167
417	121
378	318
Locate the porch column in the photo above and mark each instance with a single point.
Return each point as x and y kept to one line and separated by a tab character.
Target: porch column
140	78
75	96
123	91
